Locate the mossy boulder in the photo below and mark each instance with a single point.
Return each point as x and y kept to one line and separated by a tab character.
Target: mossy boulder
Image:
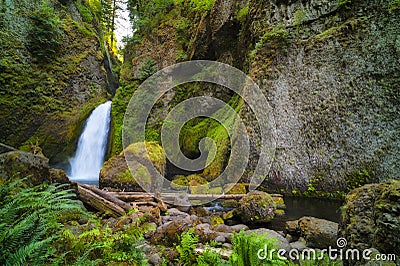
195	182
319	233
216	220
279	202
238	188
230	203
371	217
179	182
17	164
256	207
116	174
59	176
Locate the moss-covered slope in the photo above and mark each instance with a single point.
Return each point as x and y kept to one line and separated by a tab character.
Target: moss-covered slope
51	72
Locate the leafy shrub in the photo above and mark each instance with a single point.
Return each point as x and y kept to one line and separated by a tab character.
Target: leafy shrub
45	33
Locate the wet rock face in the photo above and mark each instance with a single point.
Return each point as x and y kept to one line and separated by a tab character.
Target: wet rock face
371	217
256	207
17	164
116	174
332	91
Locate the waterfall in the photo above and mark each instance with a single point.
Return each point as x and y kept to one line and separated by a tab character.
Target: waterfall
92	145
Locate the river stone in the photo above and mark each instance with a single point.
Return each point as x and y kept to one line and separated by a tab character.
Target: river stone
155	260
292	227
230	229
59	176
371	217
226	236
256	207
298	245
220	239
174	214
319	233
205	232
18	164
182	202
169	233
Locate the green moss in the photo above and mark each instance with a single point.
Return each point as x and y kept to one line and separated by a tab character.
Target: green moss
179	182
222	141
317	188
140	173
153	150
299	17
198	5
394	5
216	220
197	178
360	177
277	36
242	13
238	188
215	191
125	177
196	188
230	203
119	105
84	11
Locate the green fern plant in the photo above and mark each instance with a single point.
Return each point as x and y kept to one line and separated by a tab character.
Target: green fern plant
211	258
29	221
186	247
246	247
103	243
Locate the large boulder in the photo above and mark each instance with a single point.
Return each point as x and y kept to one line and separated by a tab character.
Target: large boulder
256	207
116	174
319	233
18	164
371	217
169	232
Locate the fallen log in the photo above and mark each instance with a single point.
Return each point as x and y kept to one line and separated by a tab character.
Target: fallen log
108	196
146	203
132	196
99	203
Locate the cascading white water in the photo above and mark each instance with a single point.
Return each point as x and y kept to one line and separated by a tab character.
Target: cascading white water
92	145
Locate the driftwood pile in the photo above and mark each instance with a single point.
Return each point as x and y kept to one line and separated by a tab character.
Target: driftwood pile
118	203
